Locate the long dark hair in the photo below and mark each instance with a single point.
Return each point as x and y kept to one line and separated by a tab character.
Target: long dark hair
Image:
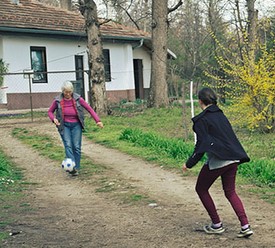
207	96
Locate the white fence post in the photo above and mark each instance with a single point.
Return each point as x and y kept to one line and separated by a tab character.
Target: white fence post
192	106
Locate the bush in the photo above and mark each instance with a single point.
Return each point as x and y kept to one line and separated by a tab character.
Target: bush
260	171
173	148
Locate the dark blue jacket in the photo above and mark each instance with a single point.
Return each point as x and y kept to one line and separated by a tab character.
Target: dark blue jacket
215	135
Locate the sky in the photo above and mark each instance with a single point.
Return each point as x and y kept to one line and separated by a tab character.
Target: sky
264	6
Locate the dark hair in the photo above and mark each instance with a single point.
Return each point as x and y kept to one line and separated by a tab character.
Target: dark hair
207	96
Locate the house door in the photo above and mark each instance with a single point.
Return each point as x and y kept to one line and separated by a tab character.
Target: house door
79	76
138	74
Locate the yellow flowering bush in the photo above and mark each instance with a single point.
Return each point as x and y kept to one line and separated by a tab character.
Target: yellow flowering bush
257	101
252	90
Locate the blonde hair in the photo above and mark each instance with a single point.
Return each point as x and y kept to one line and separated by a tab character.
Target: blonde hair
67	85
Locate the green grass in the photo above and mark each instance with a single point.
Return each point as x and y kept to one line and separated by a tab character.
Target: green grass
46	146
104	180
11	192
156	135
26	115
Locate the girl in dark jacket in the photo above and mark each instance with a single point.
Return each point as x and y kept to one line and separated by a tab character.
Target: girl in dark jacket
216	138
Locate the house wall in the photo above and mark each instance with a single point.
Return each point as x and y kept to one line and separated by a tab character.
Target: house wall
122	84
1	47
60	57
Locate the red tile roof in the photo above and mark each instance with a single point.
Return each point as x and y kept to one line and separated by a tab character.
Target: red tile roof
32	15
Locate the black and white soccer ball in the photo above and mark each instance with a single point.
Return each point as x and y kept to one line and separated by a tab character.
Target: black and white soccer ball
68	164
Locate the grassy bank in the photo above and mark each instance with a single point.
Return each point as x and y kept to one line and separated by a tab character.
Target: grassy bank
11	192
157	135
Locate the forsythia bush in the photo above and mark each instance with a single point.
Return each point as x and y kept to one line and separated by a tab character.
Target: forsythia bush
252	91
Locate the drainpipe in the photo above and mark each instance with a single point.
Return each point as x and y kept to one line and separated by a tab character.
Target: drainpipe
139	45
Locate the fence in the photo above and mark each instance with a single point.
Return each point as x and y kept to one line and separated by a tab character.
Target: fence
30	91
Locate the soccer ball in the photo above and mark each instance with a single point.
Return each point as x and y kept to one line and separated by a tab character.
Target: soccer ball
68	164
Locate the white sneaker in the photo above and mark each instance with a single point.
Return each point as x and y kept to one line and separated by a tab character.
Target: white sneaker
245	233
209	229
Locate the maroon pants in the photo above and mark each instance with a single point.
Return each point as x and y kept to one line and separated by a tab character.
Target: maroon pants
228	175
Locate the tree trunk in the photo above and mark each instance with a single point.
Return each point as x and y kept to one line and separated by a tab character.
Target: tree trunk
252	28
158	96
98	98
240	29
66	4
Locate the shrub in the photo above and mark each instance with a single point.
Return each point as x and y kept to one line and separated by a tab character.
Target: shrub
173	148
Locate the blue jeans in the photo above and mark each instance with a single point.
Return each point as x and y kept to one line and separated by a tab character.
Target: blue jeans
72	139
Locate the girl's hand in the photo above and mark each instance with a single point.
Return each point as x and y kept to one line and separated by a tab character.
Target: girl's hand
99	124
184	168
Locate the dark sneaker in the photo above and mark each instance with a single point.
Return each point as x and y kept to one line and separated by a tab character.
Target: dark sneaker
73	172
209	229
245	233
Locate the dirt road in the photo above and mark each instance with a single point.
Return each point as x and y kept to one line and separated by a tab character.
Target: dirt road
70	212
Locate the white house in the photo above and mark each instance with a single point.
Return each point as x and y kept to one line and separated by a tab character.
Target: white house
52	42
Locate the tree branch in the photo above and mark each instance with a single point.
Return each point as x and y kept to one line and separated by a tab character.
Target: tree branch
175	7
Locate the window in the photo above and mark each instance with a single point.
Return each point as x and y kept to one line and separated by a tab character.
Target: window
39	64
107	65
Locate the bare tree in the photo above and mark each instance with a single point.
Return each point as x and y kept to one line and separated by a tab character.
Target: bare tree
252	28
246	25
158	95
98	98
50	2
138	12
240	31
66	4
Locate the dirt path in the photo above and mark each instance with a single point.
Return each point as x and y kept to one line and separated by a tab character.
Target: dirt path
69	212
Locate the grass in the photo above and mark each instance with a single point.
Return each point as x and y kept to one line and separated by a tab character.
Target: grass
156	135
12	189
105	180
24	115
47	147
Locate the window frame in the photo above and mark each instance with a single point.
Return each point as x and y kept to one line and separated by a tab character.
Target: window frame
107	65
40	74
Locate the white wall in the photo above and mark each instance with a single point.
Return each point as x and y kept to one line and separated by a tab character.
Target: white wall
122	71
60	57
1	48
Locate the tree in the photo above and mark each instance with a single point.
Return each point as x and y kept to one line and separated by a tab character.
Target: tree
3	70
194	39
98	98
158	95
251	86
252	28
66	4
136	13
